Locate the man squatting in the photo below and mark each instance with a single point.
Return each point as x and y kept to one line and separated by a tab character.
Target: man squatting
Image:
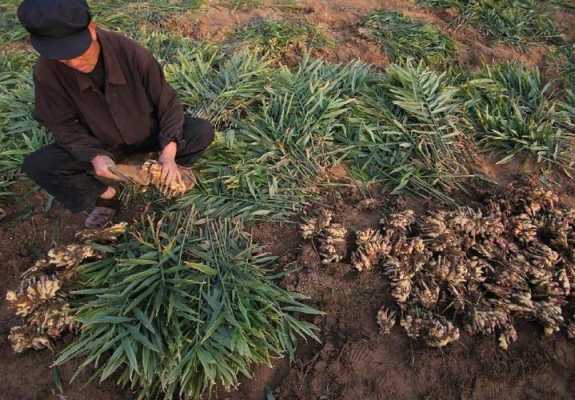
103	97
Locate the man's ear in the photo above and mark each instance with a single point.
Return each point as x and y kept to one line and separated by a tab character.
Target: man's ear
92	28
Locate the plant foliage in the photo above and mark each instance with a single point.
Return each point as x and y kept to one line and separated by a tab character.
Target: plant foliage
561	61
177	309
216	87
514	111
267	163
10	28
20	134
234	183
409	130
244	4
517	22
440	3
568	106
405	38
292	133
130	16
277	36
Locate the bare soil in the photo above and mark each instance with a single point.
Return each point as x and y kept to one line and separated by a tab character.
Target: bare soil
27	233
339	21
353	361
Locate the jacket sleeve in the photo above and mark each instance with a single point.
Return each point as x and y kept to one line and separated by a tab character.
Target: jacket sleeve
55	112
168	108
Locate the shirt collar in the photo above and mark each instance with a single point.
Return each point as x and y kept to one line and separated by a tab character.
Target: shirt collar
114	74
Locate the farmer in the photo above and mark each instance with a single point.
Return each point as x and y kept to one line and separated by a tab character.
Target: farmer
103	97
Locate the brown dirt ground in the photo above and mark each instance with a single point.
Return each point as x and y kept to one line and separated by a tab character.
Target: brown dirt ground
353	361
26	234
339	20
356	362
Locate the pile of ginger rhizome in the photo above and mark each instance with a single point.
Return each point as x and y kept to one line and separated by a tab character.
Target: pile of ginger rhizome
477	270
42	299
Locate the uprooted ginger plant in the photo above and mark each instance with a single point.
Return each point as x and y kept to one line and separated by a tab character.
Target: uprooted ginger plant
178	309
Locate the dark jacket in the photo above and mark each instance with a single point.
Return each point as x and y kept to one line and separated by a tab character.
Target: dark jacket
138	102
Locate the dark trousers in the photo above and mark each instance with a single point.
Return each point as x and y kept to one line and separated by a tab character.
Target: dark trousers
73	183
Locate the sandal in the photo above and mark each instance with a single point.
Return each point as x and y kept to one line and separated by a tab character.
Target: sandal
102	213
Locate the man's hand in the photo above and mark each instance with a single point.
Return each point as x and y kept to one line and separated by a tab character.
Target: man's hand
170	171
102	165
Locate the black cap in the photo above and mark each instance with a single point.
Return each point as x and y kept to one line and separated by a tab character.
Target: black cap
58	28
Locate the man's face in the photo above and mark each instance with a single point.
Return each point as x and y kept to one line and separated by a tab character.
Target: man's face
86	62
